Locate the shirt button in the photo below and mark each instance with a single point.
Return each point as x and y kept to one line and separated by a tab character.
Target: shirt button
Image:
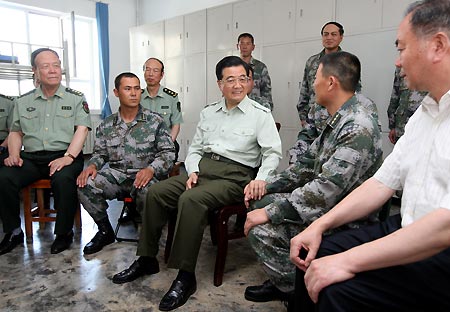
46	129
48	115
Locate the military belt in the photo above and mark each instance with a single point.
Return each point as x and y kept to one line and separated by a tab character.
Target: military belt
221	158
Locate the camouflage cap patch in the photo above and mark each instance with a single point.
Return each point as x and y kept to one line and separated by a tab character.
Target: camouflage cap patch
86	107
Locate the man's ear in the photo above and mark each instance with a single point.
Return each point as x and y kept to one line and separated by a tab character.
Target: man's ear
116	92
440	46
332	82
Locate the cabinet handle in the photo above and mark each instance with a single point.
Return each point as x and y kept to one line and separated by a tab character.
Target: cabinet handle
289	84
187	89
143	43
228	26
148	42
181	36
299	85
290	13
187	35
301	12
237	25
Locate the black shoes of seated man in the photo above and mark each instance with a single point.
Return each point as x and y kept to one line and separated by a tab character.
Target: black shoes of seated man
104	236
140	267
265	292
10	242
61	242
178	294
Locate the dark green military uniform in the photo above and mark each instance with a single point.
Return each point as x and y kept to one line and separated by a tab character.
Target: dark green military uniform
48	125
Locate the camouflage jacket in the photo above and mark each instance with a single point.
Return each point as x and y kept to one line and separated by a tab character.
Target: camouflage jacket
402	105
262	91
128	148
346	153
317	121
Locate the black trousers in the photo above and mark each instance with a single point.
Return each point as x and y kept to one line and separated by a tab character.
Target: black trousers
35	167
418	286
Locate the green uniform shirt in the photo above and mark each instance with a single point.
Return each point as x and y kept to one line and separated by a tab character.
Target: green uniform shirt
48	124
6	115
166	103
262	90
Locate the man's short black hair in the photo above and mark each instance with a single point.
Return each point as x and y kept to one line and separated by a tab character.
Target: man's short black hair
345	66
341	28
122	75
246	35
36	52
229	61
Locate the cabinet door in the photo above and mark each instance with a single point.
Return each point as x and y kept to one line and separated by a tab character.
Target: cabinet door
220	32
393	12
137	47
174	37
247	18
359	16
278	21
194	85
195	32
174	75
311	16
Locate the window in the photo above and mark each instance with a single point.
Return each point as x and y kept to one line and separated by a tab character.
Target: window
31	28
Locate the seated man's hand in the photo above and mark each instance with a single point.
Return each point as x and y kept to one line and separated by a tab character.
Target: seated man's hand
307	243
85	174
192	181
59	163
255	190
13	161
254	218
143	177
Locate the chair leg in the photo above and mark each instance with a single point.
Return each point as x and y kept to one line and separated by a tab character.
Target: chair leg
78	217
42	208
222	249
27	213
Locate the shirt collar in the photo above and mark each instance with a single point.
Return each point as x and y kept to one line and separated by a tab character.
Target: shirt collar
433	108
243	106
59	93
145	93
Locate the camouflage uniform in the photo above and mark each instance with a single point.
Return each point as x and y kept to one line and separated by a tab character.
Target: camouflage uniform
262	91
317	121
402	105
127	148
346	153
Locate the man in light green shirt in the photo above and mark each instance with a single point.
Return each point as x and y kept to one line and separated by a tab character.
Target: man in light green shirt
235	148
162	100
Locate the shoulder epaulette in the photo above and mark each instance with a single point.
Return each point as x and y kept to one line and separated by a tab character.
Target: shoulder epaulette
7	97
212	104
29	92
261	107
170	92
74	92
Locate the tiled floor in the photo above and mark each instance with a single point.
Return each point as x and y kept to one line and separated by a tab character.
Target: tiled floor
31	279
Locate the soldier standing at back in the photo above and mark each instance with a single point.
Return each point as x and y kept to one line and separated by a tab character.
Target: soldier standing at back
137	146
262	90
51	123
162	100
402	105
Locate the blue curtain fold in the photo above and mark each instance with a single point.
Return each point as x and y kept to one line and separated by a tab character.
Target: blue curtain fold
101	10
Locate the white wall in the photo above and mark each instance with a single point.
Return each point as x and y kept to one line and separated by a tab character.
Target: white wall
151	11
122	16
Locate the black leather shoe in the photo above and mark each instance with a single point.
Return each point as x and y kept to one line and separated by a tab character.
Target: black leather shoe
265	292
104	236
137	269
178	294
10	242
61	242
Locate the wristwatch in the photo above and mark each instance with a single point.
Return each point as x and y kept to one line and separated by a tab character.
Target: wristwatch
2	149
69	155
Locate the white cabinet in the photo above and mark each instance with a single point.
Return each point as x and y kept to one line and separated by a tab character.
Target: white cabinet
393	12
174	37
213	93
145	41
195	32
219	28
359	16
194	86
247	18
311	16
278	21
174	77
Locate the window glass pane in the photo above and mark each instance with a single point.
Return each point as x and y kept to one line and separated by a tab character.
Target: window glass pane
44	30
9	87
13	25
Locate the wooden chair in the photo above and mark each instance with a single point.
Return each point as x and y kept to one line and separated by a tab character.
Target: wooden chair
220	235
45	214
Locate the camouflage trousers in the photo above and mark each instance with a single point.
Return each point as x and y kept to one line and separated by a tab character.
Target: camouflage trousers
105	187
271	243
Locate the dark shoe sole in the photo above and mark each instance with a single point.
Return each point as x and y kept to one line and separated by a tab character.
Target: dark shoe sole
186	298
